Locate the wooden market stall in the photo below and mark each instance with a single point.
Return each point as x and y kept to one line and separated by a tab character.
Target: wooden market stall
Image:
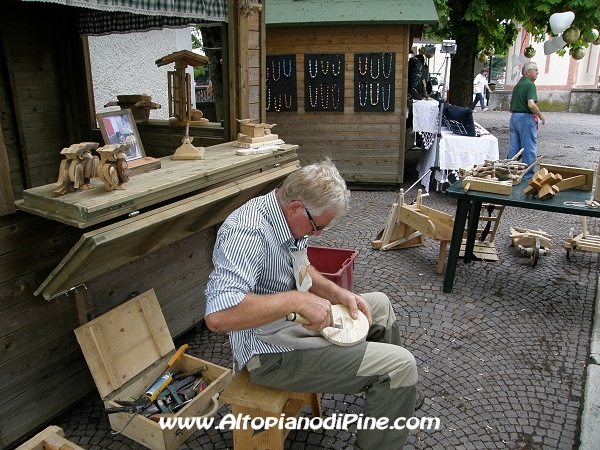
336	81
66	259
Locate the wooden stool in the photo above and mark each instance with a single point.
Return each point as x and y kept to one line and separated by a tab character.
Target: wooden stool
52	438
248	398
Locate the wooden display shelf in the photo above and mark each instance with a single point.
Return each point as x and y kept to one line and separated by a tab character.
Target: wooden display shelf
83	209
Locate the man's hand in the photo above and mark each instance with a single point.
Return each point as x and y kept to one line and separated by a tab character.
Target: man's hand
354	303
317	310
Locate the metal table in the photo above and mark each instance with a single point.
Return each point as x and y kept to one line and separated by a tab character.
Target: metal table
469	203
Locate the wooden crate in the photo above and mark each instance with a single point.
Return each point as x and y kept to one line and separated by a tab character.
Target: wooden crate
127	350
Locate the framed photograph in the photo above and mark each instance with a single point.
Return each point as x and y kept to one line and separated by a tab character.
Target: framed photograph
118	127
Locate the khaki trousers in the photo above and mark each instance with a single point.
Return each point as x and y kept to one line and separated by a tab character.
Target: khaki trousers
380	367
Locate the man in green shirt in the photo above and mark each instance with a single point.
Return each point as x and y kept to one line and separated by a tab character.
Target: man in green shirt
523	123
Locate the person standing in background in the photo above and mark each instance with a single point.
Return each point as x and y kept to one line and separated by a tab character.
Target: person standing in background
425	84
523	120
480	85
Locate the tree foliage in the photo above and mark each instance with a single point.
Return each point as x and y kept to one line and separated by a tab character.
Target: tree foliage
476	25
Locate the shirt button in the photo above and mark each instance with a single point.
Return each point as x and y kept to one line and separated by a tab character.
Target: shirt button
258	331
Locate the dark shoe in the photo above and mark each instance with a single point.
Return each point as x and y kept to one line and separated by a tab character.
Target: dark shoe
419	400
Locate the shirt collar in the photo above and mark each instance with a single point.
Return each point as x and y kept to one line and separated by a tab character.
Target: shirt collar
277	219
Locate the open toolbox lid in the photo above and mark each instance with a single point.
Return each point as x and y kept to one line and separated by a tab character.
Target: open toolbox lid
103	250
125	341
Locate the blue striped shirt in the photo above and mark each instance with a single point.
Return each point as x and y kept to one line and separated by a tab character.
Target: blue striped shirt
252	255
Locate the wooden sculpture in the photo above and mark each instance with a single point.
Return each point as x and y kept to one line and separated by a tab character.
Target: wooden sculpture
78	168
496	177
181	111
256	137
112	168
584	241
532	243
140	105
186	151
543	184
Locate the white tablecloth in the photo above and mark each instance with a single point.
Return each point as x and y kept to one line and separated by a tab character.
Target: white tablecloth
456	151
425	116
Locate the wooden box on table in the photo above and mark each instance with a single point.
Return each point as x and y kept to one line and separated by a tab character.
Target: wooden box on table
127	350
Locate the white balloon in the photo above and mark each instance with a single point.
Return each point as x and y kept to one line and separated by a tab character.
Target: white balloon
549	48
515	60
524	59
559	22
558	42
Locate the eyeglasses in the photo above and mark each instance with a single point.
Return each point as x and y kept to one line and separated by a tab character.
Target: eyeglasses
312	222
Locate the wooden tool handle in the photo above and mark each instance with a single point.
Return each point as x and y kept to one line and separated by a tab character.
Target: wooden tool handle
177	354
298	318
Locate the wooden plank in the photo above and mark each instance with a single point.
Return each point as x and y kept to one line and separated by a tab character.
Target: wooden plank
23	336
243	65
153	318
572	182
11	86
32	258
37	363
36	442
7	199
121	343
44	399
416	220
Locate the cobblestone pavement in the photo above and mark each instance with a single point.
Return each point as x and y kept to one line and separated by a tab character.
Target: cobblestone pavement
502	359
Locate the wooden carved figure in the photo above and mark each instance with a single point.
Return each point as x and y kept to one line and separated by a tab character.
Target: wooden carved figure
79	167
112	169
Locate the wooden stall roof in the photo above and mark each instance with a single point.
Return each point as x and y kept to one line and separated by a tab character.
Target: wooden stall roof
335	12
184	57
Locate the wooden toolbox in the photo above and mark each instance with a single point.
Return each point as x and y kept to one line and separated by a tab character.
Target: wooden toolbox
127	350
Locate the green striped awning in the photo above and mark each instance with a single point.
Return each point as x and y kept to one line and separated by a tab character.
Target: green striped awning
121	16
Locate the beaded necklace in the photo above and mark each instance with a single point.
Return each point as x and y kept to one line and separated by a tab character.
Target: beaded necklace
360	68
371	85
373	65
338	60
310	72
278	70
313	104
289	72
324	98
362	88
335	100
385	105
288	105
278	105
324	67
391	65
268	98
